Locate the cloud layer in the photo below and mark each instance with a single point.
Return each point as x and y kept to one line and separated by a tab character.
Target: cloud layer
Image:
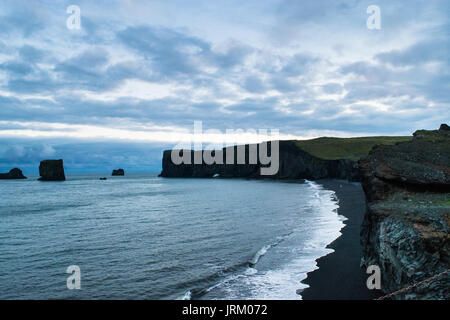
143	72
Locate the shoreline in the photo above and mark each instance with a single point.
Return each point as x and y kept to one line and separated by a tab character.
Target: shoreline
339	276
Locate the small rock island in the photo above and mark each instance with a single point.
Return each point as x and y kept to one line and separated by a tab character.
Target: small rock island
118	172
15	173
51	170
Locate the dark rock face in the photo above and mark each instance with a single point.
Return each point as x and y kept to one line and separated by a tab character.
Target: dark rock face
118	172
406	226
444	127
294	163
15	173
52	170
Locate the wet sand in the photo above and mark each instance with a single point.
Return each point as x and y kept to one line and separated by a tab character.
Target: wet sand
339	275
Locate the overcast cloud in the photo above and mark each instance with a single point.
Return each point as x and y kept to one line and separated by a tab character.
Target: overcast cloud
137	74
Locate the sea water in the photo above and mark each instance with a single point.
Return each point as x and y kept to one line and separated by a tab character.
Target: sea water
145	237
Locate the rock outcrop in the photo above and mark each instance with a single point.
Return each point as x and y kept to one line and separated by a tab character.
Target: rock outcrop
15	173
118	172
294	163
406	226
52	170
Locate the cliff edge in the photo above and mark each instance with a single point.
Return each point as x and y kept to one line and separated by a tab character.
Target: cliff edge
306	159
406	226
294	163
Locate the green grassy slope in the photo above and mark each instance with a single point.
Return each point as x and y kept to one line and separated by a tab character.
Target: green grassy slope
345	148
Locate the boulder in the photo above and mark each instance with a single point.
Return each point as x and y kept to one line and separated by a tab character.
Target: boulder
444	127
118	172
52	170
15	173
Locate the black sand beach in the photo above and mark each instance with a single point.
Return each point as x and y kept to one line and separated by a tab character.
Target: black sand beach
339	275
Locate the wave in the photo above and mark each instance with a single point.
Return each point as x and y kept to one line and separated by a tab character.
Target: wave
227	274
21	210
261	252
186	296
200	286
230	272
218	245
283	280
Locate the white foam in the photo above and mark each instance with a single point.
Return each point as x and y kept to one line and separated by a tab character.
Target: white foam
259	254
284	282
186	296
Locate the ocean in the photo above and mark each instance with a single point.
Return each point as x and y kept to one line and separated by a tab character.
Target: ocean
145	237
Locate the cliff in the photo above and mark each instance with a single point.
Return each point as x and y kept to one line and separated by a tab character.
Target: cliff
294	163
298	159
52	170
15	173
406	226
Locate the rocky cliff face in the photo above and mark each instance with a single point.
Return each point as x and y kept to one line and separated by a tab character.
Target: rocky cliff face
15	173
407	222
52	170
294	163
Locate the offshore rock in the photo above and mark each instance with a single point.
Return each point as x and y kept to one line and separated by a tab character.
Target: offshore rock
51	170
118	172
15	173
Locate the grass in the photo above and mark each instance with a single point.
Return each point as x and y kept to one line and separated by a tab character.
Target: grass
433	135
345	148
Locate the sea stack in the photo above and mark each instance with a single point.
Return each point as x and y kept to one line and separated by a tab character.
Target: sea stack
15	173
52	170
118	172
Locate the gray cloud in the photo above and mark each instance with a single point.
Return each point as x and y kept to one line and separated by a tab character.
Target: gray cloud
418	54
170	51
24	19
46	70
332	88
80	157
254	84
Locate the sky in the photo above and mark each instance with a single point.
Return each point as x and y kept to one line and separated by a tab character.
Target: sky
133	78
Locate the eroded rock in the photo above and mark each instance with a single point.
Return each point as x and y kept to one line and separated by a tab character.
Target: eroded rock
118	172
52	170
294	163
406	226
15	173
